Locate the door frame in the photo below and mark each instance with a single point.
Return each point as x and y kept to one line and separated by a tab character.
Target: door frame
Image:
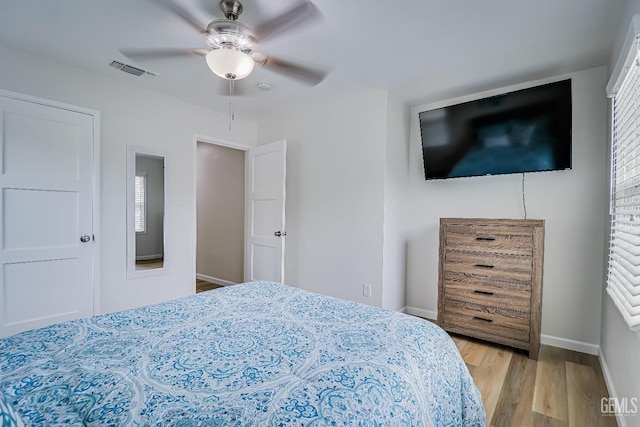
95	203
221	143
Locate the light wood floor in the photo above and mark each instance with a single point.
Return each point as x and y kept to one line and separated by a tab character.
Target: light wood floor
202	285
561	388
149	264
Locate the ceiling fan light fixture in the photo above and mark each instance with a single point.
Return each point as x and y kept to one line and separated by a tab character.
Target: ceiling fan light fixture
230	64
223	33
236	41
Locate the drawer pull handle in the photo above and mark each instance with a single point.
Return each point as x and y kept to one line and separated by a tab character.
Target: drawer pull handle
483	319
484	266
486	239
482	292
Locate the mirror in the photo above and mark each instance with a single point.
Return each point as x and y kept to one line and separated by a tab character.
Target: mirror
147	208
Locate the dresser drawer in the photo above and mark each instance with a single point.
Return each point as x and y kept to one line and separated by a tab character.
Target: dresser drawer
490	280
488	320
496	294
495	266
505	240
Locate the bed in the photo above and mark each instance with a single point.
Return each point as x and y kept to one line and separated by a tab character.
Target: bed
254	354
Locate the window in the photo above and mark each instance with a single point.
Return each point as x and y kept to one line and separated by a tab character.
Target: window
140	202
623	276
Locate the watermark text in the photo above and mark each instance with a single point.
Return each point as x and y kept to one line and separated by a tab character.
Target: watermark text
625	406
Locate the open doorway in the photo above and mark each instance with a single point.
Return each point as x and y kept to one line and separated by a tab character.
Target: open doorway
220	204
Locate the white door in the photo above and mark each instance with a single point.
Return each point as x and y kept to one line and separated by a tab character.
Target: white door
264	207
46	180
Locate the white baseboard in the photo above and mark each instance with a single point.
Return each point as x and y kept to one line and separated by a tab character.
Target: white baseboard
622	422
214	280
148	257
568	344
565	343
427	314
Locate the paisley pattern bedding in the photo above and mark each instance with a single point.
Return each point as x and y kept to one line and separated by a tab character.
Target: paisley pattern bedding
255	354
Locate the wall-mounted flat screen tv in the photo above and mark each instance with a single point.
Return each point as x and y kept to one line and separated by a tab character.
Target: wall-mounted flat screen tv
526	130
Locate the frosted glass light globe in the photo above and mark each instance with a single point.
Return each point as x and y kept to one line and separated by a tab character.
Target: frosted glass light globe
230	64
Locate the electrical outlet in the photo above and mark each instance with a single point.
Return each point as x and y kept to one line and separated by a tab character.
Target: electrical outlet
366	290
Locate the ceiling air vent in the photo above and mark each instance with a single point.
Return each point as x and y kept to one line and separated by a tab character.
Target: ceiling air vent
130	69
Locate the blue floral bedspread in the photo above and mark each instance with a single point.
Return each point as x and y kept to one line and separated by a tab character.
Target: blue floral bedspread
255	354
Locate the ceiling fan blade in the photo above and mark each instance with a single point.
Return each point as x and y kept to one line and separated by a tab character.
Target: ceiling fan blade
161	53
187	17
306	74
302	11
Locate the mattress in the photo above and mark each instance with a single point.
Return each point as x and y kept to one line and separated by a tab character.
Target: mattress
254	354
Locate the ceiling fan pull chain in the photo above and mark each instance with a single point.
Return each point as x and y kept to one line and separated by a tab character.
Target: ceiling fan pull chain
231	90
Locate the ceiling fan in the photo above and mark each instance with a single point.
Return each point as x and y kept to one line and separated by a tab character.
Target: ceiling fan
232	55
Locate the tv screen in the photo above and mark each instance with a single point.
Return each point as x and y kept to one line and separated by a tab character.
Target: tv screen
527	130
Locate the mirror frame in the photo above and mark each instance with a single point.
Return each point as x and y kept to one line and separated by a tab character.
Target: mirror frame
132	273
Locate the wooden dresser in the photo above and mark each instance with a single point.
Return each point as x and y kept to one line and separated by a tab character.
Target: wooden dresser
490	280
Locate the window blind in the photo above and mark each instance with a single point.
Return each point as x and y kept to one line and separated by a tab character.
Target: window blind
623	277
140	203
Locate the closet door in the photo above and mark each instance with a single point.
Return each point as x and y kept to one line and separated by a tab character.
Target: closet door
46	218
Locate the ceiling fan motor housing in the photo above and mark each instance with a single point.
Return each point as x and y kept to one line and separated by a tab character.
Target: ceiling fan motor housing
232	9
223	33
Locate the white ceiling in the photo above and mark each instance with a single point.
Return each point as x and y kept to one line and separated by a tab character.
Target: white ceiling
418	49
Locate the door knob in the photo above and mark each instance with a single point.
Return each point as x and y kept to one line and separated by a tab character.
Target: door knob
280	233
85	238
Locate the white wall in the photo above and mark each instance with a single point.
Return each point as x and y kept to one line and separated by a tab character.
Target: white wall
396	182
220	212
335	191
573	204
130	115
620	348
